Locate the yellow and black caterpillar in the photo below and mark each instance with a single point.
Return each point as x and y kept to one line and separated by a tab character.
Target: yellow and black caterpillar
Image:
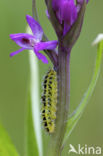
49	100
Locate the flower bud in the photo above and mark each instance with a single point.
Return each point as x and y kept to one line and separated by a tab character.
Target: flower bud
66	13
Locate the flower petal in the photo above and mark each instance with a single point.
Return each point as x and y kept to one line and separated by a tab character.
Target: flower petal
68	11
68	14
35	27
16	52
23	40
56	4
40	56
50	45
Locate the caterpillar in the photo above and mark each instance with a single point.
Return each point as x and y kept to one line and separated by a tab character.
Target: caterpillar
49	100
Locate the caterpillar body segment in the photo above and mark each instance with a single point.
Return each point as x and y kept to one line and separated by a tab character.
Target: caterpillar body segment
49	100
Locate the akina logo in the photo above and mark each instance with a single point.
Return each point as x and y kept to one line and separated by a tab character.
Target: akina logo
85	150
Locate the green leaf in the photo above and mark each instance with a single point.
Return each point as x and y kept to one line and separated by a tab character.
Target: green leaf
73	119
34	135
6	146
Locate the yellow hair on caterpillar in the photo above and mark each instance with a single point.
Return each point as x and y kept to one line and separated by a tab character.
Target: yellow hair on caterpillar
49	100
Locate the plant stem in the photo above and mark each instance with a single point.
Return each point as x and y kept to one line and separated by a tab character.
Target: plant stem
63	72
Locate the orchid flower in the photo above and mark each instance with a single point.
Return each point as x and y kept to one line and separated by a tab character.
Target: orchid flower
33	42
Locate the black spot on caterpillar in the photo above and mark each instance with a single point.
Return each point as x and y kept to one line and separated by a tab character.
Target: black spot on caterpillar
49	100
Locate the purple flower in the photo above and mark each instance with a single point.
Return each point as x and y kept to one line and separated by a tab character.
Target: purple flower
66	13
33	42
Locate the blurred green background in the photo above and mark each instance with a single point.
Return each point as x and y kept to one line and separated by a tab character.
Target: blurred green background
14	73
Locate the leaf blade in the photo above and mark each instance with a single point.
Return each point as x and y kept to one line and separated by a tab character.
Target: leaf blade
6	146
78	112
34	137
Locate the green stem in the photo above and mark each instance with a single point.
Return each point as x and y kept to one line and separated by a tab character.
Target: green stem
63	73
